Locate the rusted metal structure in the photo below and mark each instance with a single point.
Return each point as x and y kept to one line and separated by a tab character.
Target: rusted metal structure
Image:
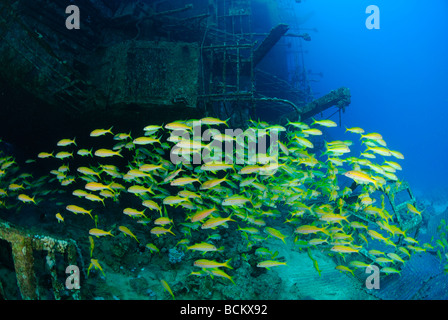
23	244
198	54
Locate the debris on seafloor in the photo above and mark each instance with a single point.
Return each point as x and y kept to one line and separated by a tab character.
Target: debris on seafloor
23	243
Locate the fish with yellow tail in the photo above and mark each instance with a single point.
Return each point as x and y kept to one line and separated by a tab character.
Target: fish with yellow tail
76	209
92	245
201	215
25	198
167	288
96	264
213	223
413	209
344	269
376	235
396	154
128	232
152	205
134	213
325	123
343	249
235	200
360	177
307	229
275	233
183	181
219	273
66	142
372	136
212	183
99	233
64	155
270	263
203	246
97	186
44	155
146	140
355	130
104	153
177	125
59	217
101	132
162	221
214	121
158	231
207	264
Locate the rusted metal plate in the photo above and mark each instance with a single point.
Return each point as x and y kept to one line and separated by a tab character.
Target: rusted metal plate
148	73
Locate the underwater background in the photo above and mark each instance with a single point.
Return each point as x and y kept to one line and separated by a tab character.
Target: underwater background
109	190
397	75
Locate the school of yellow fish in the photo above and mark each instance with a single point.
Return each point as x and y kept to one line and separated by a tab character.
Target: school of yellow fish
293	197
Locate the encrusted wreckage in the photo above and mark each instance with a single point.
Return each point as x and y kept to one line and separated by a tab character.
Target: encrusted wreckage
23	244
207	55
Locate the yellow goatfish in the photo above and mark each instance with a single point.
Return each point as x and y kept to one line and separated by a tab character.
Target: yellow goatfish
99	233
145	140
160	230
103	153
212	223
138	189
307	229
275	233
360	177
214	121
270	263
43	155
235	200
167	287
100	132
177	126
203	246
24	198
64	155
134	213
372	136
355	130
206	264
151	205
96	264
325	123
202	214
65	142
59	218
219	273
413	209
344	269
183	181
76	209
163	221
96	186
343	249
128	232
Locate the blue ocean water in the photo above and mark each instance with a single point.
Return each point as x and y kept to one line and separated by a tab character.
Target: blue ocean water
398	76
